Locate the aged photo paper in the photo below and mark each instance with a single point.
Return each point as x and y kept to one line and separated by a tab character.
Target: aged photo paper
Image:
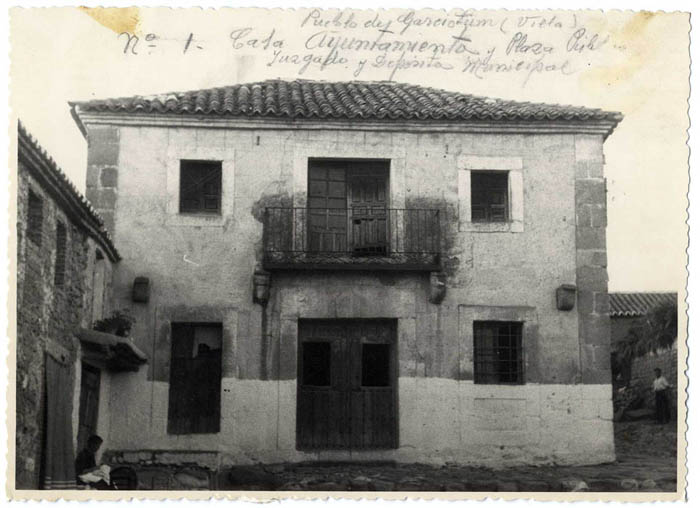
278	253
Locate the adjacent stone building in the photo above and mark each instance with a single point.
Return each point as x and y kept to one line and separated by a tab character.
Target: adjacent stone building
634	376
65	259
356	271
627	308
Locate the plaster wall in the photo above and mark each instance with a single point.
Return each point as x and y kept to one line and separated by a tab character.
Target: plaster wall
477	424
201	269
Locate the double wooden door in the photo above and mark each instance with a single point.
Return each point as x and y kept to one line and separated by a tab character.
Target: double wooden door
347	207
346	387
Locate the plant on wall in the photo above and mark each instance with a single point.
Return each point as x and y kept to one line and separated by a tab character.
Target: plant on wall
119	323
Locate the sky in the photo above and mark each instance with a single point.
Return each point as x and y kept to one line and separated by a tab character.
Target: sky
61	55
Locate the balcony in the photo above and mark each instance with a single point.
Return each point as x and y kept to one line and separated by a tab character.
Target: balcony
358	238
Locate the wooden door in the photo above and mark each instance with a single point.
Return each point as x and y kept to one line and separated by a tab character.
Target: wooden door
346	397
368	208
89	403
327	206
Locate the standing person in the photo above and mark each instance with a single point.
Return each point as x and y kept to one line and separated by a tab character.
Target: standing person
660	387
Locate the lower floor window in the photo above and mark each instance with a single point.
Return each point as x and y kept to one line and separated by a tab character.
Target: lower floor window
376	364
316	364
195	378
498	352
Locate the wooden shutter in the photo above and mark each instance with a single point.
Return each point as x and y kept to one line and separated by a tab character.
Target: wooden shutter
60	265
195	379
327	206
368	201
35	218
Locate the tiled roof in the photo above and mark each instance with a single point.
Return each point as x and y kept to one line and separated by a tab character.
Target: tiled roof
47	171
378	100
637	304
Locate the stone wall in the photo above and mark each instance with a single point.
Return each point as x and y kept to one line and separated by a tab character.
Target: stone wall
101	185
591	260
47	317
201	269
642	376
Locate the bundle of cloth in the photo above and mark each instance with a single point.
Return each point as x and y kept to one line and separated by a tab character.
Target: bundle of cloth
101	474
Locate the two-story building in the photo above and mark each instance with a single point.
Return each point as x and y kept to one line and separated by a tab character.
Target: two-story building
356	271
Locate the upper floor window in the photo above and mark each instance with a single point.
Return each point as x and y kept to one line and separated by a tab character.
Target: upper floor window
60	265
195	378
489	196
200	186
498	352
35	218
98	286
491	193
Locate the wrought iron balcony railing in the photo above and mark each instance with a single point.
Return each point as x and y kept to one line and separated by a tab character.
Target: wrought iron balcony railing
362	238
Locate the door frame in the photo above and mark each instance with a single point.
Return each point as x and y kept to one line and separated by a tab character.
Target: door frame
88	366
392	324
387	162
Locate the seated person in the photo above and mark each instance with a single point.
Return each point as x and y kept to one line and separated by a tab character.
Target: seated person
86	470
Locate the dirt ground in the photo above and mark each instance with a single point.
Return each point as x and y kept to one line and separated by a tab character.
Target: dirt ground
645	438
646	462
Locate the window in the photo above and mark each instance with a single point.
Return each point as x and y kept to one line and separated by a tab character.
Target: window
195	378
489	196
498	352
316	360
376	364
98	286
200	187
35	218
60	266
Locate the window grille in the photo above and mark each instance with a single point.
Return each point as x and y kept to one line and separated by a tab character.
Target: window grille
498	352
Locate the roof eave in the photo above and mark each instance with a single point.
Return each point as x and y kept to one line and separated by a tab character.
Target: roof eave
604	127
76	118
74	204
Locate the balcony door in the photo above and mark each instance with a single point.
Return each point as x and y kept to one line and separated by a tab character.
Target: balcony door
346	385
347	206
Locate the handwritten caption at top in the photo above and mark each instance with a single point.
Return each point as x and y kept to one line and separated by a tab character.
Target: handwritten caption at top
363	42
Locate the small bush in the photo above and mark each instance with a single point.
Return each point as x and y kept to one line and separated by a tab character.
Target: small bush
119	323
